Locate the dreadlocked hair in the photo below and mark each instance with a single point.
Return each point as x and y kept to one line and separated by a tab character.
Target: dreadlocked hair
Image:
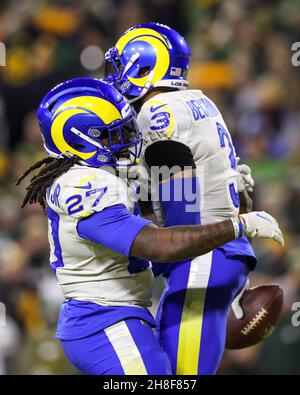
52	168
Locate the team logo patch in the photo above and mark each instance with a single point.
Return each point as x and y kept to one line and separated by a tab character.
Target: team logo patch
94	132
126	85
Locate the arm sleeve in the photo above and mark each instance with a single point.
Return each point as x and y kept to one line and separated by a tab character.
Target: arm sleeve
180	201
114	227
179	198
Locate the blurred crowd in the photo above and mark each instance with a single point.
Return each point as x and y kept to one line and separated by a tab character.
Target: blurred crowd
241	58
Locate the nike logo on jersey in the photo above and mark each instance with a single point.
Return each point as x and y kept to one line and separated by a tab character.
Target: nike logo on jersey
154	108
87	186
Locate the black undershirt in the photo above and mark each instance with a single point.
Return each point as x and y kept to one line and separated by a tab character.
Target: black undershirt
169	153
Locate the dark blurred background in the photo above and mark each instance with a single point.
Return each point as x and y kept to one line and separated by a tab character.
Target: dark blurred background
241	58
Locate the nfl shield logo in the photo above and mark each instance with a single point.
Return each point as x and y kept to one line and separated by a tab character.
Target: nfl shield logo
176	71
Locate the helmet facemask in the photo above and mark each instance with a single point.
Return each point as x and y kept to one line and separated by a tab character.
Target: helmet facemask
118	144
117	71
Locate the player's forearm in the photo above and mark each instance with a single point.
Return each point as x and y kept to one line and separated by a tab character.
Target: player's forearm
245	202
181	242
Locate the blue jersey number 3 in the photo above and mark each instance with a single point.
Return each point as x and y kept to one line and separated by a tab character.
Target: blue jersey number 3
224	136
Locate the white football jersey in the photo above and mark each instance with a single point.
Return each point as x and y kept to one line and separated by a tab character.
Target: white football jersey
85	270
191	118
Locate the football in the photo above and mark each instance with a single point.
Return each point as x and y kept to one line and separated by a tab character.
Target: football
262	307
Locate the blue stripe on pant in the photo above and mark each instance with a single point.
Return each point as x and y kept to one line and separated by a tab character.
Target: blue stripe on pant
128	347
192	314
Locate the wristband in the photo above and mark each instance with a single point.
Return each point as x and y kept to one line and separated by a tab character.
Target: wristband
238	227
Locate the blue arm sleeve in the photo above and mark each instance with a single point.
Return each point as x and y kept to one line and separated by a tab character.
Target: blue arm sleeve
180	200
114	227
183	208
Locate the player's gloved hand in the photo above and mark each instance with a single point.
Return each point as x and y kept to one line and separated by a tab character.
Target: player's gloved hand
245	180
258	224
235	305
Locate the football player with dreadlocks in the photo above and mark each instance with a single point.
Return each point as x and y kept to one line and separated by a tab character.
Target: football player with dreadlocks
184	130
99	246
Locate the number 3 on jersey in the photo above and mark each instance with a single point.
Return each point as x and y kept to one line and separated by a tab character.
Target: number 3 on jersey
224	136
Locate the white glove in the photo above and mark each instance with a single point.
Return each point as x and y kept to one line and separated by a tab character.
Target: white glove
245	180
258	224
235	305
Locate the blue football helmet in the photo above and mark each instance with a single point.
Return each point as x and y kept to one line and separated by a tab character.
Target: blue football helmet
147	56
89	118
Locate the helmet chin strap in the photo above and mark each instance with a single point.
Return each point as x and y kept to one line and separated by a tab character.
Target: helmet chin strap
86	138
180	85
145	88
147	85
133	59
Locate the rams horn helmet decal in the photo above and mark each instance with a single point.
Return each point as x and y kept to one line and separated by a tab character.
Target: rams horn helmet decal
88	118
147	56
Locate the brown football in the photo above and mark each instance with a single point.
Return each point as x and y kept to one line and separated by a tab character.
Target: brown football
262	308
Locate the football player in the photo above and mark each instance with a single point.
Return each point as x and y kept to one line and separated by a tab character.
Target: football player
184	130
99	247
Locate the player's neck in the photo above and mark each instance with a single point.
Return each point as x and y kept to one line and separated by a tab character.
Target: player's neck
152	93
